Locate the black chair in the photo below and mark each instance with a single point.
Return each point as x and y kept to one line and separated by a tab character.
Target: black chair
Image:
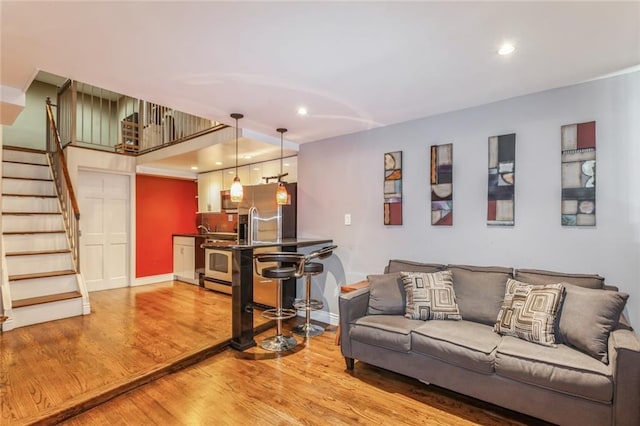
308	304
290	265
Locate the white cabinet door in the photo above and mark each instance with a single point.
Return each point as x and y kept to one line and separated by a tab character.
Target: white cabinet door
184	259
209	187
215	186
228	175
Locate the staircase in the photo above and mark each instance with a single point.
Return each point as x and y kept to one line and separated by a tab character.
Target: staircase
39	279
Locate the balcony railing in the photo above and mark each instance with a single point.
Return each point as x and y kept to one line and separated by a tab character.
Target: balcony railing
101	119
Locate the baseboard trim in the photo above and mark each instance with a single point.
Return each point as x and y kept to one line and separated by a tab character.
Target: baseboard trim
323	316
153	279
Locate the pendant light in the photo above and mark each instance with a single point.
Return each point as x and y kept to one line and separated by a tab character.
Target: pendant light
282	196
236	186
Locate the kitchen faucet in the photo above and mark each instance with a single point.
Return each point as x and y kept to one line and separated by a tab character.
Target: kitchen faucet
205	229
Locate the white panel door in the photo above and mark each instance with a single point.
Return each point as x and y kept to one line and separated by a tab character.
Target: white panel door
104	223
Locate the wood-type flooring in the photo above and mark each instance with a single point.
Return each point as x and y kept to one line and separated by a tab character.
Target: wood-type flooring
132	336
307	386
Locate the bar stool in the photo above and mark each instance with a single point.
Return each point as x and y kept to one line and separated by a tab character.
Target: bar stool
291	265
308	304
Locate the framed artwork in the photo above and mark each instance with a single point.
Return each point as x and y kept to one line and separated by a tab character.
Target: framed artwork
578	157
442	185
393	188
501	188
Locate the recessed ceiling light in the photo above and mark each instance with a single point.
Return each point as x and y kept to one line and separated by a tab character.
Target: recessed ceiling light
218	163
506	49
286	164
194	167
302	110
257	169
247	157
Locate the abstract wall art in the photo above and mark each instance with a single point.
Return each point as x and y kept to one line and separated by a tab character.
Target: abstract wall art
393	188
442	185
502	172
579	174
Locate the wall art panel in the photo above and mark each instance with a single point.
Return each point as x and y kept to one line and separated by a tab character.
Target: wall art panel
502	172
442	185
578	174
393	188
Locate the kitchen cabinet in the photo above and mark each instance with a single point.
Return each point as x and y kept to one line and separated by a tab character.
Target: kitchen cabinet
184	259
209	187
228	175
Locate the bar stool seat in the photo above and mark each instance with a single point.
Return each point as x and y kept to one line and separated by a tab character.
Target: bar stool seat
279	342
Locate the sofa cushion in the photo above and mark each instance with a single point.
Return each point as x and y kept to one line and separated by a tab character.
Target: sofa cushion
587	318
480	291
540	277
559	368
386	295
462	343
529	311
388	331
430	296
408	266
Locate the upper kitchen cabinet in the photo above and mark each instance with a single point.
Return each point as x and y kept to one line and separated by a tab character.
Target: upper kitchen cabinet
228	175
289	165
209	187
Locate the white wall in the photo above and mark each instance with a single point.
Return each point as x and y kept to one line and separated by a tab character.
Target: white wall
345	175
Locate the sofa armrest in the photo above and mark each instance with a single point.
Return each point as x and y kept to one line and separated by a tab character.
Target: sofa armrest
624	353
352	305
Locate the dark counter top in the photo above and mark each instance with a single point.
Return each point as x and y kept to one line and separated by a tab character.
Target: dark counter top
239	245
231	236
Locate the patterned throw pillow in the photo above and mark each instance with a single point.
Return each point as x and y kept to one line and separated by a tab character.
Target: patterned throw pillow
529	311
430	296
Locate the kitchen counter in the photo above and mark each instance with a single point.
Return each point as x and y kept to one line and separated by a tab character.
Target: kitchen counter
242	282
296	242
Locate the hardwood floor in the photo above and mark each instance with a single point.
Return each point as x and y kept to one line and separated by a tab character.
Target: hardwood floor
152	355
308	386
132	336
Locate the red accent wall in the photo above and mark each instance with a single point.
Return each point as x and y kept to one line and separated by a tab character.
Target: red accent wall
164	206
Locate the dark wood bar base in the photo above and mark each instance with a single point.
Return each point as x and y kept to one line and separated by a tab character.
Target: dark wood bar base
242	287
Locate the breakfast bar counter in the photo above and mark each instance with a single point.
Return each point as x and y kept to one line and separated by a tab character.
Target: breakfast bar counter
242	281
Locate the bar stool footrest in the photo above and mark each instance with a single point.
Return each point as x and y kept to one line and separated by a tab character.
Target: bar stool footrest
279	343
308	330
278	314
312	305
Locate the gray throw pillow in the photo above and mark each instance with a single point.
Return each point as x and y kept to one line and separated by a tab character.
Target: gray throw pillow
541	277
587	317
529	312
408	266
430	296
480	291
386	294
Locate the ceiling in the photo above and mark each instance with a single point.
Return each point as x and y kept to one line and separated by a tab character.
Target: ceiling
353	65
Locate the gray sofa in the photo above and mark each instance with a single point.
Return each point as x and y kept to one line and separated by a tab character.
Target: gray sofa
591	376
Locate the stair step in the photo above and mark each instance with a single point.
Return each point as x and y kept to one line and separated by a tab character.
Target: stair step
40	275
39	263
50	241
45	299
29	253
22	170
28	186
26	163
57	231
27	178
32	222
28	213
25	156
29	195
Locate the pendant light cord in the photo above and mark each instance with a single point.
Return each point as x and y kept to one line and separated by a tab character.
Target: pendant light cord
281	130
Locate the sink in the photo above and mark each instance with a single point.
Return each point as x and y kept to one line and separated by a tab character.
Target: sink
222	236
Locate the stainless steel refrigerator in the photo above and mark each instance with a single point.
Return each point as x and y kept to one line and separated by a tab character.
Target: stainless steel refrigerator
261	219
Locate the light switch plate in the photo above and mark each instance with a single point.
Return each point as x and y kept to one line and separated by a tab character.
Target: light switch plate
230	217
347	219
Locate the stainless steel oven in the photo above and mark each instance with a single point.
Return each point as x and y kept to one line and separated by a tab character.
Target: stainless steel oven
217	270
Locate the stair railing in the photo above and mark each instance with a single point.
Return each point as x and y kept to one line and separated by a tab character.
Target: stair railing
68	201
